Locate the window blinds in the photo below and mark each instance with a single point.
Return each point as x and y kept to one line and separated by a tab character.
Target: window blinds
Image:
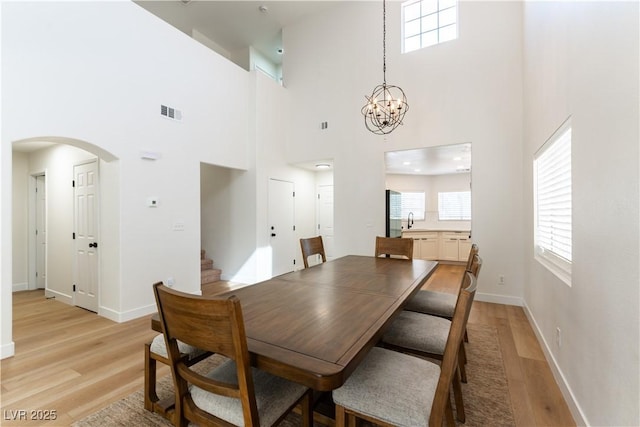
454	206
552	168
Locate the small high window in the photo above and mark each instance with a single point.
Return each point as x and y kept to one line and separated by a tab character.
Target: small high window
428	22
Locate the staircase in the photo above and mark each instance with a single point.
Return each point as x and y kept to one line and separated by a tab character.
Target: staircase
208	274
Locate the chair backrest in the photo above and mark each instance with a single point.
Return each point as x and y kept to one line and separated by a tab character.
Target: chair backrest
475	265
450	356
312	246
211	324
394	246
474	251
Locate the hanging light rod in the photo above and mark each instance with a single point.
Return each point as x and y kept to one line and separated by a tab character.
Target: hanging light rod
387	105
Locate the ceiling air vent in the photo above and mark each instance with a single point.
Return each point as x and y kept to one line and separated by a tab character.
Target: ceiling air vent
170	112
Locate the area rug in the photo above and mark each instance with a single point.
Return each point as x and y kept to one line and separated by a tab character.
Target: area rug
486	396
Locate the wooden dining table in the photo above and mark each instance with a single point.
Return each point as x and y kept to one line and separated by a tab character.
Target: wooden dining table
314	326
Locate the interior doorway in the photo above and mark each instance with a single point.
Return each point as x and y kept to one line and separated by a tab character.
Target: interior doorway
281	226
325	219
86	226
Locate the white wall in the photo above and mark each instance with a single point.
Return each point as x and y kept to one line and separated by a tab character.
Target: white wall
468	90
581	60
105	87
234	210
228	221
271	162
20	203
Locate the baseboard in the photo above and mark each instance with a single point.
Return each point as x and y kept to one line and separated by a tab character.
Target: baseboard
59	296
499	299
17	287
124	316
568	395
7	350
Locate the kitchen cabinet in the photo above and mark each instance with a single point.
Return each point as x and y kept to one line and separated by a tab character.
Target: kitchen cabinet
454	245
440	245
425	245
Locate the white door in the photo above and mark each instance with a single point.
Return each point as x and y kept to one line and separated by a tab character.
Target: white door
325	219
281	226
86	239
41	232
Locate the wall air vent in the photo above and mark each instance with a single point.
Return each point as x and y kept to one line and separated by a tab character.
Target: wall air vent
170	113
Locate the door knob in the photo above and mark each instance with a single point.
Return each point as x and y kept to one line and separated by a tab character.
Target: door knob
273	234
93	245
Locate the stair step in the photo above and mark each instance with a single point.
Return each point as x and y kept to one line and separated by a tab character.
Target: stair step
211	275
206	264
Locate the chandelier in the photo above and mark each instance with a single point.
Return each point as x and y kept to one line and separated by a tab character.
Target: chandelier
387	105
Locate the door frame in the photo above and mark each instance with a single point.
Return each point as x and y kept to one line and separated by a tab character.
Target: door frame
74	257
32	282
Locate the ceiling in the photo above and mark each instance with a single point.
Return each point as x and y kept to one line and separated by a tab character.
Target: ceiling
236	25
440	160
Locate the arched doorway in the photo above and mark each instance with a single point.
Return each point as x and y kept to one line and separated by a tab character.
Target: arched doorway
59	159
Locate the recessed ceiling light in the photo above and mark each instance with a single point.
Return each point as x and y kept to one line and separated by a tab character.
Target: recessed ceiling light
457	159
323	166
406	163
416	170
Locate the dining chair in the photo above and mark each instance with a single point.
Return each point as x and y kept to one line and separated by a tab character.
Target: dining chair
426	335
312	246
234	392
391	388
156	351
394	246
439	303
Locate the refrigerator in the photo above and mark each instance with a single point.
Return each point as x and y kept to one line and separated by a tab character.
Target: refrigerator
393	216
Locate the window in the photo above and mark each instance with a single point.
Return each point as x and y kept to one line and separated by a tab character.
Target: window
454	206
552	203
412	201
428	22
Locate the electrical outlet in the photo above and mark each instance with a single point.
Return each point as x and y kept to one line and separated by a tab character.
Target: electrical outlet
558	337
501	280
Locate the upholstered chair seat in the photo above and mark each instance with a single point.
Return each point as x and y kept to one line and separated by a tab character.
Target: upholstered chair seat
392	387
417	331
274	395
432	302
159	347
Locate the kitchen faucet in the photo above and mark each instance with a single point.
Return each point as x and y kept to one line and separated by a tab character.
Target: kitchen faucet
409	220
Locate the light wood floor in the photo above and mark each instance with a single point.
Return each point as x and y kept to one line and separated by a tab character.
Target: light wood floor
74	362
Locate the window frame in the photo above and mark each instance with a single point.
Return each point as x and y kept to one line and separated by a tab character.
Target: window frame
421	17
467	193
555	262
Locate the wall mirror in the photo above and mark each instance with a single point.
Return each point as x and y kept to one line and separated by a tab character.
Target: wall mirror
435	184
